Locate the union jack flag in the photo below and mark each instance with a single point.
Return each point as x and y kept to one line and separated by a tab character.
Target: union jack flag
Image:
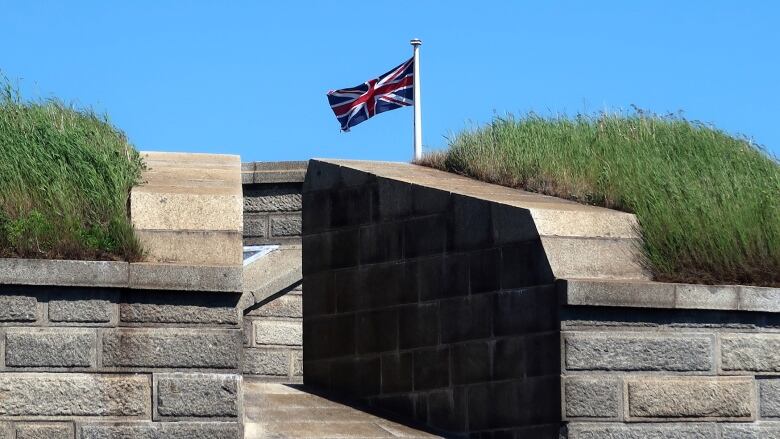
392	90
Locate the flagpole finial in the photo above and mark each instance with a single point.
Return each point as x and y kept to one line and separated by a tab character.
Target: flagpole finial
416	42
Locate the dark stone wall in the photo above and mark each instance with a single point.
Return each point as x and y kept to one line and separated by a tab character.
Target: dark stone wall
435	306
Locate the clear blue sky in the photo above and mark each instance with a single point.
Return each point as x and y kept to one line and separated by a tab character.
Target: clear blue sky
250	77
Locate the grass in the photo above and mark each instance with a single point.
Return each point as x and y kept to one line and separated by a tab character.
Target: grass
65	179
708	203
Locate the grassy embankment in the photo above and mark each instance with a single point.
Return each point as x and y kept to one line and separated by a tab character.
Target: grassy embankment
65	179
708	203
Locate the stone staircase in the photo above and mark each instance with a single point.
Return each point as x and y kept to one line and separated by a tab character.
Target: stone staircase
282	411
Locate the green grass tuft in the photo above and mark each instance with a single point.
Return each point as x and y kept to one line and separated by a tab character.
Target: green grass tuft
65	179
708	203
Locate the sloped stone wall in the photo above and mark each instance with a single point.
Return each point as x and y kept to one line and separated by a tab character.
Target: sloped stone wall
88	363
429	304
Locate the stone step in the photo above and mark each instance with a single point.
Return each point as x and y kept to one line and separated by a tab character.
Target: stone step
284	411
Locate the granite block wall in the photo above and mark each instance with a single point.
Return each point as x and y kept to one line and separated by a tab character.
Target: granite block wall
272	202
642	373
273	337
79	362
432	305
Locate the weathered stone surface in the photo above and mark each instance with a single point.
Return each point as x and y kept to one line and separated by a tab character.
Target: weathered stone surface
691	397
14	271
18	308
750	352
638	351
210	278
161	307
279	199
285	225
90	307
162	430
592	397
49	430
256	225
71	394
192	247
59	347
272	362
593	430
764	430
769	397
197	395
278	332
285	306
595	258
759	299
172	348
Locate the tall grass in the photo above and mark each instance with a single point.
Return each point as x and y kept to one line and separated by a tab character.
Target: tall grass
708	203
65	179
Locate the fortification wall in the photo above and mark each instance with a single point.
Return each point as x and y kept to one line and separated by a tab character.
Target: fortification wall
273	325
88	358
486	312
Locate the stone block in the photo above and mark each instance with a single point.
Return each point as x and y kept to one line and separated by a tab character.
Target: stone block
769	397
393	200
320	298
156	208
278	332
289	305
154	307
485	271
465	318
515	403
381	243
595	258
59	347
750	352
350	206
447	409
418	325
424	236
287	225
759	299
197	247
427	201
592	397
159	430
277	198
512	225
529	356
197	395
172	348
18	308
208	278
518	312
315	217
329	337
620	293
377	331
470	224
397	369
297	363
41	430
471	363
356	377
15	271
691	397
330	251
524	264
431	368
593	430
256	225
267	361
763	430
638	351
87	307
50	395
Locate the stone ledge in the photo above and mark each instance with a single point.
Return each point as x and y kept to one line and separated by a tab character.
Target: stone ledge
137	275
645	294
273	172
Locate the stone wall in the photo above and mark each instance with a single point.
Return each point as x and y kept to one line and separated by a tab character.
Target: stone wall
649	370
88	363
272	202
486	312
272	337
430	304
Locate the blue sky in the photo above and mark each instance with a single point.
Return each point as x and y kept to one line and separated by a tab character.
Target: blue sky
250	78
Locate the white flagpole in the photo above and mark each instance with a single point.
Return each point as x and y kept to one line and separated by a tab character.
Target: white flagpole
417	102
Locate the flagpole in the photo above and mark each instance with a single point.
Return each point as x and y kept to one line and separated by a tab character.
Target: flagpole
416	43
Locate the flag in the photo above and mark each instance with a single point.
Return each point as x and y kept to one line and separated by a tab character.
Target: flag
392	90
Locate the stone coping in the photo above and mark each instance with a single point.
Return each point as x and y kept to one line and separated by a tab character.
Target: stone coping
641	294
273	172
117	274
